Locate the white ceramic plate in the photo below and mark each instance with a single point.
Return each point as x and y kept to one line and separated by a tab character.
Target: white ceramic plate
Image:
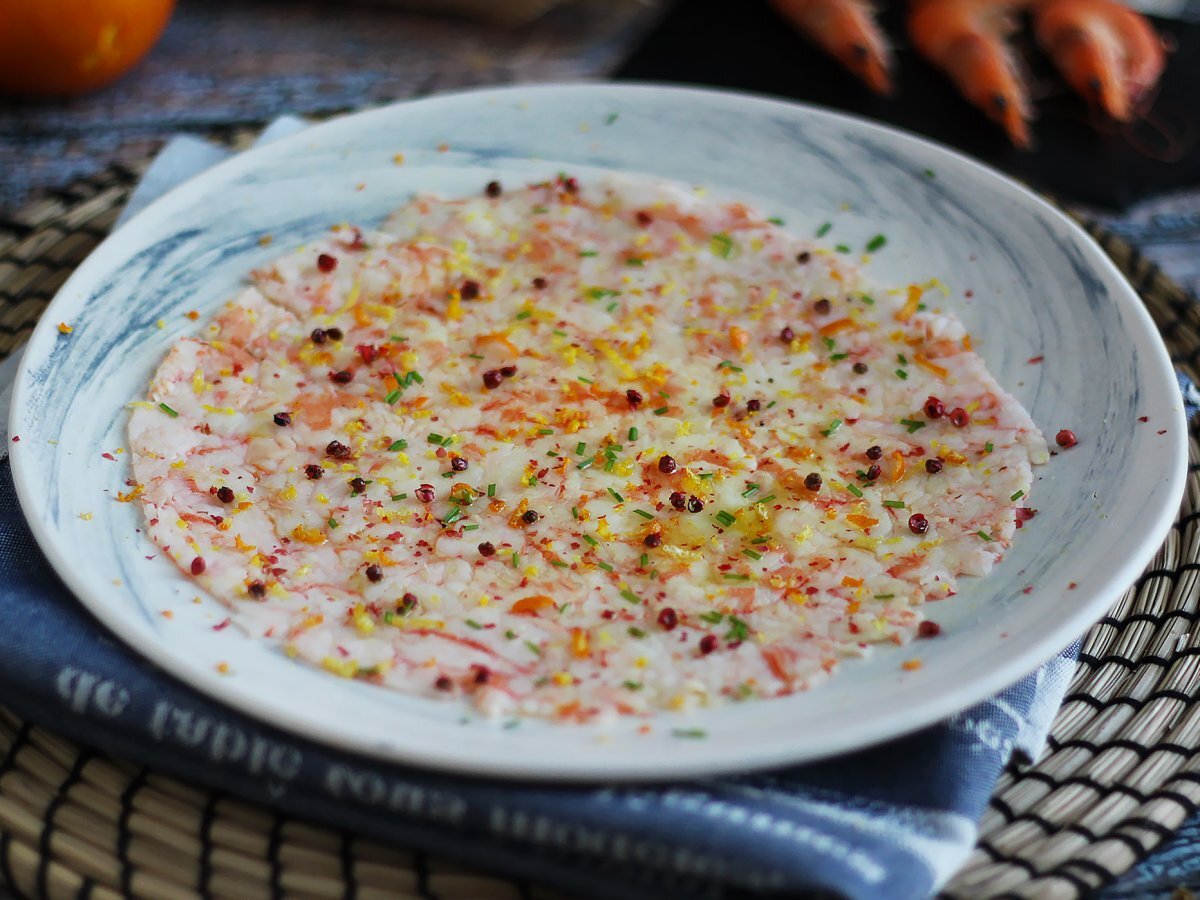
1027	282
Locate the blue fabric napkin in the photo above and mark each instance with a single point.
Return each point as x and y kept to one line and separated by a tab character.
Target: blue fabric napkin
895	820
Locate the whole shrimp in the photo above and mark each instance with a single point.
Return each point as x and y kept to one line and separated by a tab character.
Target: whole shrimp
1106	52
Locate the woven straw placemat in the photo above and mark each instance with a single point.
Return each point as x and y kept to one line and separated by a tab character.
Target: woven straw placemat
1121	773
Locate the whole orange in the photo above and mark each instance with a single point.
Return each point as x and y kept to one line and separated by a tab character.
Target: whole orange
66	47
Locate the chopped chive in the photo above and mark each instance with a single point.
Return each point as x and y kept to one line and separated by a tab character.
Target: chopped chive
559	564
401	444
399	338
662	411
722	245
761	540
985	535
644	560
603	565
471	623
738	630
824	229
170	412
1017	496
854	490
884	596
829	343
435	438
631	685
399	379
560	333
836	357
633	433
540	210
690	733
912	425
987	448
524	314
713	618
644	514
392	397
510	634
612	306
414	376
870	301
833	426
767	499
894	504
574	512
545	431
400	496
610	118
471	527
455	515
876	243
585	464
491	489
333	523
732	577
901	359
588	253
753	554
706	476
630	596
726	518
775	220
584	380
580	448
601	293
634	261
591	540
616	496
901	374
929	173
537	651
751	488
474	356
636	632
516	559
842	248
388	618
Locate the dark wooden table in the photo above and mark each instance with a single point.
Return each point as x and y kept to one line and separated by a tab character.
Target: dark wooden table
228	64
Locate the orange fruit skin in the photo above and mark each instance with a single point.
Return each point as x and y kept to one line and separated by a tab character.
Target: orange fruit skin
59	48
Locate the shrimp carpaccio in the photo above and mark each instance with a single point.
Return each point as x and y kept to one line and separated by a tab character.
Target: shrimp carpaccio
579	451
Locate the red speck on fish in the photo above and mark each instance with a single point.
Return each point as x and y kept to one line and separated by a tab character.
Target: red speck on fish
1034	360
109	457
1143	418
222	625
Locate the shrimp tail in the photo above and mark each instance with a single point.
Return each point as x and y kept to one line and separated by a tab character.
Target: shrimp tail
1108	53
967	40
847	31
